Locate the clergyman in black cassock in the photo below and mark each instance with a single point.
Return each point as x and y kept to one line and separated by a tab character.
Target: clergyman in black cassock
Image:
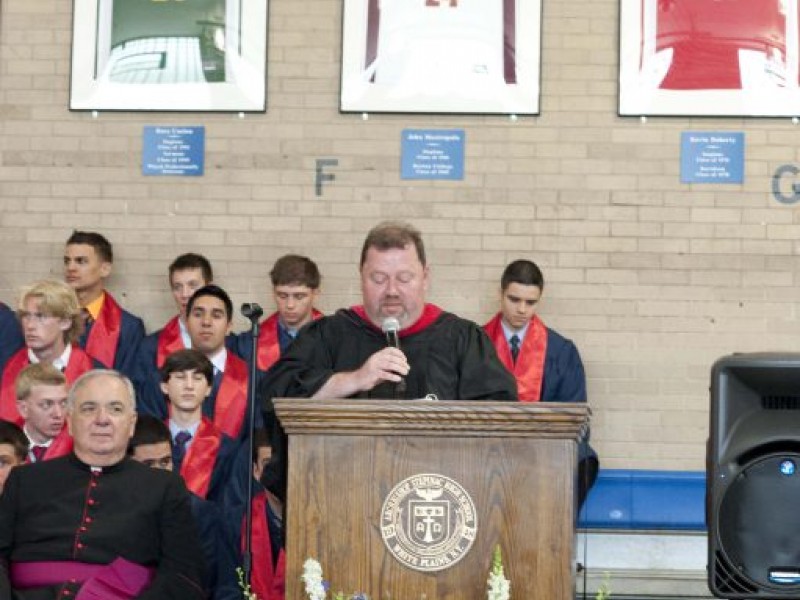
95	524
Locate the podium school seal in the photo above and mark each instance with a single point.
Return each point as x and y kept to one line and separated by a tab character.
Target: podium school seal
428	522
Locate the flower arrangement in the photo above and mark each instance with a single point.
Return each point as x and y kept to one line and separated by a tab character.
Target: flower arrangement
499	588
317	588
312	577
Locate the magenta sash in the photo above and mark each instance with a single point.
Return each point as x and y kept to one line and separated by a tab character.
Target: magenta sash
118	580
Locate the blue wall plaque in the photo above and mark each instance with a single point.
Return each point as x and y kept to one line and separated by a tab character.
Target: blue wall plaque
712	157
176	150
432	154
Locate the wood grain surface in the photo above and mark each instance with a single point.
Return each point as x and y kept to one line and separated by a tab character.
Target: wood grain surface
516	461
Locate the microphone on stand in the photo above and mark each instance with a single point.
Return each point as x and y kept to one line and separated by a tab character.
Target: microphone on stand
252	312
391	329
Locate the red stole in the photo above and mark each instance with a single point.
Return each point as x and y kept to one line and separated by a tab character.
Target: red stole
231	401
266	583
79	363
269	348
61	445
198	464
8	396
169	341
104	335
430	313
529	370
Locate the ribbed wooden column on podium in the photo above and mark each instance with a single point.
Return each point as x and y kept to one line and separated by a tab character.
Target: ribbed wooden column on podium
516	461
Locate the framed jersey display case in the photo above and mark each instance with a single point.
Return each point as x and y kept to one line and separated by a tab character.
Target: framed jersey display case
709	58
169	55
441	56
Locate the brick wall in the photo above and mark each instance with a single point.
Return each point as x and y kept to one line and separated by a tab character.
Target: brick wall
652	279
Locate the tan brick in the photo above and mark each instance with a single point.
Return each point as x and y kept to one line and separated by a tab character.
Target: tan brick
652	278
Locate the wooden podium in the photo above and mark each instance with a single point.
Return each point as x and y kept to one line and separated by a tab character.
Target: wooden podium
362	471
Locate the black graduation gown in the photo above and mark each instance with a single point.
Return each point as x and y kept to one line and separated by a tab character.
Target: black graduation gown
58	510
451	358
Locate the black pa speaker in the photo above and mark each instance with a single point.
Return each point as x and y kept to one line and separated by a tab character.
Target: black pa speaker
753	477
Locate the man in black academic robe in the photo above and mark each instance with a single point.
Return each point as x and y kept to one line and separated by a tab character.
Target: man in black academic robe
347	355
447	356
96	518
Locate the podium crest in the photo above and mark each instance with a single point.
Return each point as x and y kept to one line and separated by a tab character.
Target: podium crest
428	522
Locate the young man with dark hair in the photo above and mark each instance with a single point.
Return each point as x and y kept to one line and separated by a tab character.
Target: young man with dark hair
151	445
201	453
267	543
546	366
51	323
112	334
209	315
187	274
42	401
295	288
13	449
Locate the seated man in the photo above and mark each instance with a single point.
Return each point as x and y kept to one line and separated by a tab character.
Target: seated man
187	274
201	453
268	556
209	316
295	289
51	323
547	366
96	522
11	338
112	334
42	402
151	445
13	449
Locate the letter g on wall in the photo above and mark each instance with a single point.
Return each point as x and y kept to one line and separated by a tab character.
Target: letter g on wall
785	177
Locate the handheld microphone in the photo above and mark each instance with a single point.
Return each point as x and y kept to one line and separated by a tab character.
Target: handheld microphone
252	311
391	329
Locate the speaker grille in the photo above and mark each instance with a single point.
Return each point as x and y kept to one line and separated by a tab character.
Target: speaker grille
728	582
780	402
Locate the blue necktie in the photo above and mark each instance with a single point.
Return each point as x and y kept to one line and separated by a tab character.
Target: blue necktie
514	347
179	451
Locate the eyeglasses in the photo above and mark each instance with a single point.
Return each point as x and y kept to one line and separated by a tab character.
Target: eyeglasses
36	317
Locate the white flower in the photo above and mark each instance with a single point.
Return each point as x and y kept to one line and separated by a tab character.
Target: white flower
312	576
499	587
